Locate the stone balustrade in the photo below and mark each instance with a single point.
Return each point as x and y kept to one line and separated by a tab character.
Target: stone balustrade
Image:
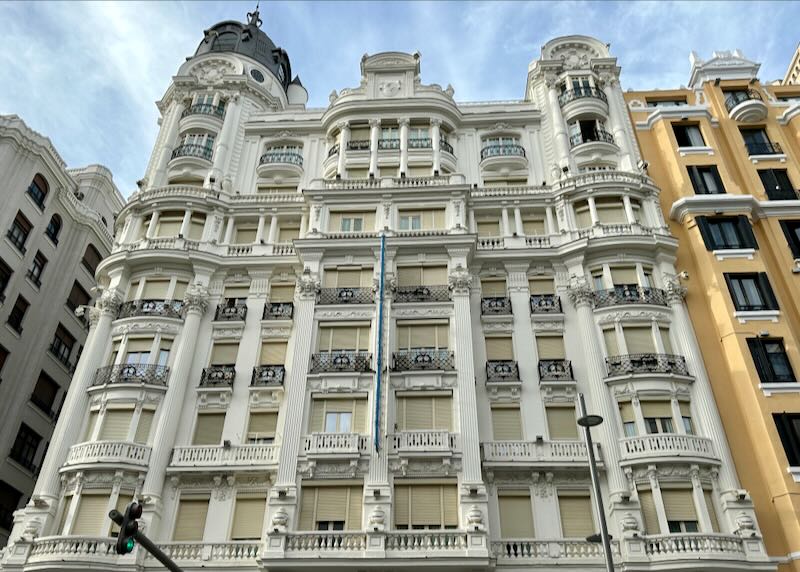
545	452
517	551
410	442
693	545
205	551
324	444
73	551
205	456
111	452
666	445
325	542
427	541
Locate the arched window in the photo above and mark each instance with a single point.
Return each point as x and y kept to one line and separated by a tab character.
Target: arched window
226	41
91	258
38	190
54	228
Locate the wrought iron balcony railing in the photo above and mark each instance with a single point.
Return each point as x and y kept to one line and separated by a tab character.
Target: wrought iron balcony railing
630	294
192	150
333	150
763	148
445	146
422	359
600	135
164	308
290	157
508	150
132	373
646	363
231	312
555	370
420	143
545	304
422	294
388	144
204	109
580	93
346	296
735	98
218	375
268	375
278	311
496	305
358	145
502	370
344	361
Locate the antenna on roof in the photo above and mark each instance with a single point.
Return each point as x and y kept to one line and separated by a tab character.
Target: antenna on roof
252	17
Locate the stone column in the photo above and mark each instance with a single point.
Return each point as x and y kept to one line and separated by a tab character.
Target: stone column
593	211
170	131
224	143
404	146
559	127
344	139
185	223
519	228
152	225
506	230
658	501
616	117
303	225
272	237
260	232
436	138
552	228
374	132
195	304
229	230
626	202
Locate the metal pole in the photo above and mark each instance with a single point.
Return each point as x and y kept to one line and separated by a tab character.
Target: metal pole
148	545
598	496
379	357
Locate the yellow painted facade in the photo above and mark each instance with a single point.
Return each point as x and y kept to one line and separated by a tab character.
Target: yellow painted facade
746	403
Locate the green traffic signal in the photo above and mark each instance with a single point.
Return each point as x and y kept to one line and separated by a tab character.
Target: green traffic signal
130	543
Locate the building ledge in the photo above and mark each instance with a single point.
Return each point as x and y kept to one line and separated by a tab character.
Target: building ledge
781	157
704	150
757	316
771	388
729	253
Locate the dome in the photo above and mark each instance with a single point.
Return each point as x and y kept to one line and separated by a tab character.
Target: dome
247	40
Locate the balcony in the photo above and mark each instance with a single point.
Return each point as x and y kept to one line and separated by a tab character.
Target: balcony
545	304
763	148
341	361
692	547
388	144
144	374
496	306
162	308
280	164
423	443
192	150
571	95
551	453
218	375
278	311
559	370
420	143
73	552
646	363
445	146
746	106
410	294
231	312
209	456
583	102
330	544
110	453
504	156
207	554
334	150
217	111
667	446
334	445
346	296
267	375
358	145
523	551
597	136
422	359
502	371
629	294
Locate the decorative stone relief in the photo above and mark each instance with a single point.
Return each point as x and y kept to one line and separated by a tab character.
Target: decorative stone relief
674	290
390	87
579	291
196	298
211	71
459	280
308	285
228	330
350	314
162	327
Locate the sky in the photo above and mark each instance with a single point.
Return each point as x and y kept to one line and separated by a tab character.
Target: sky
88	75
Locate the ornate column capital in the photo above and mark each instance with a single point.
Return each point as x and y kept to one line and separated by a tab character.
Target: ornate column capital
435	122
404	121
308	285
579	291
92	314
196	298
109	302
374	122
674	290
459	280
342	125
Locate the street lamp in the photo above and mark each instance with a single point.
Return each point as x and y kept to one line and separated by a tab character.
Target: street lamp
587	422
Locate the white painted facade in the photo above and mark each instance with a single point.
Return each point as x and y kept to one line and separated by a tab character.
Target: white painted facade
37	189
481	201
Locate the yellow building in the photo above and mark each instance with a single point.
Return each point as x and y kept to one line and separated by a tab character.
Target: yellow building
725	153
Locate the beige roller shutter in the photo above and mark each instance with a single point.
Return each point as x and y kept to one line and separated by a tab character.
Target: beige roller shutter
357	173
273	353
223	353
208	430
541	286
359	416
316	418
426	505
262	424
450	506
679	504
686	410
419	171
139	345
354	508
116	423
434	275
493	288
506	424
639	339
626	412
132	290
561	422
418	414
665	340
93	415
359	134
169	225
402	506
576	516
583	217
422	336
123	500
155	289
180	289
610	339
649	512
335	222
550	347
409	276
92	517
610	211
248	518
344	338
331	503
712	510
388	171
516	517
246	235
656	409
190	523
236	291
443	413
288	233
532	227
499	348
403	337
488	228
624	275
281	293
143	428
433	219
308	500
196	226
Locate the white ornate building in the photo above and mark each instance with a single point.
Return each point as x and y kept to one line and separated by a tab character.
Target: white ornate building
233	380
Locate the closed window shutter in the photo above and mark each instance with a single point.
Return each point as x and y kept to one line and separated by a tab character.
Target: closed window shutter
499	348
705	232
123	501
196	227
132	290
143	428
92	515
656	409
766	291
402	506
516	518
666	341
288	234
169	226
357	173
624	276
418	414
610	339
139	345
443	413
116	424
308	500
418	171
423	336
433	219
180	290
746	232
236	291
611	212
626	412
403	337
639	339
434	275
281	293
359	134
493	288
316	419
409	276
208	430
246	235
488	228
359	416
248	518
561	422
583	217
354	508
762	364
190	523
506	424
789	227
541	286
679	504
343	338
262	424
576	516
712	510
533	227
649	513
426	504
685	408
91	425
155	289
273	353
696	180
224	354
450	506
550	347
331	503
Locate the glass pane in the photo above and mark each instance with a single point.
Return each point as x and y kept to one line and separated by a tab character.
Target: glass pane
345	226
345	422
651	424
630	429
688	426
690	526
330	422
666	425
163	357
357	224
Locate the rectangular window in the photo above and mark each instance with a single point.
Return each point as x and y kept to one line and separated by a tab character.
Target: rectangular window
5	278
624	276
261	427
751	291
25	446
281	293
248	517
19	231
610	339
506	424
788	426
3	358
352	221
639	339
143	428
424	413
610	211
777	184
499	348
628	418
190	523
771	361
44	393
77	297
421	276
208	430
649	511
338	415
9	502
757	142
169	223
657	416
487	228
333	338
541	286
344	277
273	352
726	232
679	506
91	518
415	336
331	508
91	259
706	180
494	288
672	102
429	219
688	135
37	268
428	506
155	289
245	234
196	225
516	516
223	353
561	423
576	515
686	417
288	233
17	314
791	228
550	347
116	424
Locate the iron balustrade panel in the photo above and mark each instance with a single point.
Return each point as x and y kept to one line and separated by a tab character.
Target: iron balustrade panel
346	296
218	375
502	370
204	109
358	145
545	304
192	150
735	98
422	294
146	307
598	135
445	146
333	150
268	375
507	150
234	313
346	361
132	373
422	359
278	311
580	93
629	294
763	148
555	370
646	363
420	143
496	305
289	157
388	144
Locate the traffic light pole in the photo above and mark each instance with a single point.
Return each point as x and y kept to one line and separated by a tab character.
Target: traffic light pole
146	543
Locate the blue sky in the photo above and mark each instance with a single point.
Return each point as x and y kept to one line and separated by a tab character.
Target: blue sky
87	74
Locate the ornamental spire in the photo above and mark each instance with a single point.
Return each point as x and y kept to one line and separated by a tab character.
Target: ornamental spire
252	17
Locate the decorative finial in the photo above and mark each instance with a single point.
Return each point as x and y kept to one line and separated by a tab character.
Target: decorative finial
252	17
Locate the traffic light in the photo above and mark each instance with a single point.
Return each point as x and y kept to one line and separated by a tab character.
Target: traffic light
128	527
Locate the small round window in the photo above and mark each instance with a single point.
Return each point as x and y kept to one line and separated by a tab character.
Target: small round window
257	75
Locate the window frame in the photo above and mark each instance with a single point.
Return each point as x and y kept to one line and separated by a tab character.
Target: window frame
741	228
682	131
698	181
765	367
769	301
19	232
25	447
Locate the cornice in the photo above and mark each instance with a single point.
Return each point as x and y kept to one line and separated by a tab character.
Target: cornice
671	113
743	204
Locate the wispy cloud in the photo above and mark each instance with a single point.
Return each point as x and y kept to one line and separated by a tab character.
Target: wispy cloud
88	74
